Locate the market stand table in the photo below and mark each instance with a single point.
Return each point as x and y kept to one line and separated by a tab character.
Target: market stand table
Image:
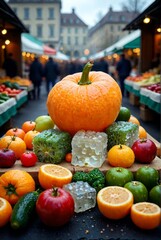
90	224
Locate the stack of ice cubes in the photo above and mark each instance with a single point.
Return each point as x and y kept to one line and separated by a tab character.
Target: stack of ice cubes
89	148
83	194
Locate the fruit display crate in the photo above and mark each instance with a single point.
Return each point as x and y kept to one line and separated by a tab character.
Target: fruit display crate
8	109
20	98
156	163
150	99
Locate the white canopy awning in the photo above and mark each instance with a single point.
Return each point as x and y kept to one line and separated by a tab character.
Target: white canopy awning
29	45
61	56
118	45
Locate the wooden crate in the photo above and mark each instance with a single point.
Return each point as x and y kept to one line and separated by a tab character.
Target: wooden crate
134	100
146	114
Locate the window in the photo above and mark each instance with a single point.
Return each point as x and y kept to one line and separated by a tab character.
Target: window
39	13
122	18
76	40
51	30
51	13
39	30
119	28
68	40
111	27
76	30
26	13
69	30
84	40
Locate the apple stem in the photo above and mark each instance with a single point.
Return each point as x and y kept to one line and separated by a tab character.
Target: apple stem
55	192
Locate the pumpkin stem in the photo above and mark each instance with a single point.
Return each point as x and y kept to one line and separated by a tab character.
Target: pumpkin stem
85	74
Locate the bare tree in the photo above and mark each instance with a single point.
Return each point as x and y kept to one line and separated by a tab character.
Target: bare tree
135	6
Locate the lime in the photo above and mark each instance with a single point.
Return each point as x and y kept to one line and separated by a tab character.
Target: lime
139	191
155	195
124	114
148	176
118	176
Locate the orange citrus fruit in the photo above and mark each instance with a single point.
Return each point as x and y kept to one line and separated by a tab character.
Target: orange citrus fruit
146	215
121	156
134	120
52	175
29	136
142	132
114	202
5	211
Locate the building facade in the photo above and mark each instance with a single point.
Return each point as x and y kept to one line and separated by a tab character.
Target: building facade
74	34
108	30
42	18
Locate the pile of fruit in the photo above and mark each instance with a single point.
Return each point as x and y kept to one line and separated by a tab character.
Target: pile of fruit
119	193
91	101
10	88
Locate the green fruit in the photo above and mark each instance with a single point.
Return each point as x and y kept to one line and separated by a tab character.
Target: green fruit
155	195
124	114
23	210
138	190
148	176
43	123
118	176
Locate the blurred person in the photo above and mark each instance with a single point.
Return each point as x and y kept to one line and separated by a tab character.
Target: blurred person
103	65
51	73
10	66
123	68
36	75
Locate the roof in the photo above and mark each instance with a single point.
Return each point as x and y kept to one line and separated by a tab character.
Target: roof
153	11
119	17
8	16
71	19
35	1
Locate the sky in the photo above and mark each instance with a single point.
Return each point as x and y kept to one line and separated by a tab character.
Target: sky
90	10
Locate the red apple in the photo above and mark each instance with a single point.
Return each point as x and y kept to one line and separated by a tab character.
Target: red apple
145	150
7	158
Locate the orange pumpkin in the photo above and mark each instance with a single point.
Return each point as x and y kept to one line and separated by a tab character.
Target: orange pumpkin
88	101
14	184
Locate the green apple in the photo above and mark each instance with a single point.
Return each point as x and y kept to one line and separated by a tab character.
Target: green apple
43	122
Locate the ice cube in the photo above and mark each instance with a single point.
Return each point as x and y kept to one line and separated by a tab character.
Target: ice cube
89	148
83	194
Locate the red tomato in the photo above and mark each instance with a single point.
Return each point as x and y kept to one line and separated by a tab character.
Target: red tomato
145	150
55	207
28	159
68	157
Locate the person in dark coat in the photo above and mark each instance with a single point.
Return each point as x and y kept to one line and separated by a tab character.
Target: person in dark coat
36	75
51	73
10	66
123	68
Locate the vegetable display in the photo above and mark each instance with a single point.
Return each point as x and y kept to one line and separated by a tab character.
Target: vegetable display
52	145
80	100
95	178
23	210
